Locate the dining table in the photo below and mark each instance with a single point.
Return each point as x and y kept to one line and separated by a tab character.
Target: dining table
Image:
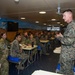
43	72
29	50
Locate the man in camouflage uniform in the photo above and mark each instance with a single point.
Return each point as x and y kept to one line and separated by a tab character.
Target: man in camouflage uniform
32	42
4	65
67	55
25	38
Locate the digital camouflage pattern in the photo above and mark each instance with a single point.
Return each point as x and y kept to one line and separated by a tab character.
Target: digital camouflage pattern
4	70
15	52
32	40
25	40
67	55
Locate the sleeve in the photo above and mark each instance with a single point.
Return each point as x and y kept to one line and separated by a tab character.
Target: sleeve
2	46
14	47
69	36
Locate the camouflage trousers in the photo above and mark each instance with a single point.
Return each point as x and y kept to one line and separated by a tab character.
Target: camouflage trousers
4	70
66	67
23	57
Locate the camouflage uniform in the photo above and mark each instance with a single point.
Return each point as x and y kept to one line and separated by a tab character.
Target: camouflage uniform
15	52
44	45
25	40
4	70
34	51
67	54
33	40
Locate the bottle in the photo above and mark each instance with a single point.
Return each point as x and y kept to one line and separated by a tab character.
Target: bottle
32	44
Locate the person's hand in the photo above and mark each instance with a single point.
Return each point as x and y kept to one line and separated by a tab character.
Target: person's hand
58	35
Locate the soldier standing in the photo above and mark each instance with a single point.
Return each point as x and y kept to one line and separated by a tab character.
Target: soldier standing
4	65
67	55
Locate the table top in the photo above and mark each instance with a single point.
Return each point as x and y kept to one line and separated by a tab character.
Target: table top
42	72
57	50
28	47
52	38
44	41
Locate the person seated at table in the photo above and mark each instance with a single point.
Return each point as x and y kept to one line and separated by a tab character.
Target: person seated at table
36	36
25	38
4	51
32	39
42	36
44	45
16	51
49	35
32	42
39	50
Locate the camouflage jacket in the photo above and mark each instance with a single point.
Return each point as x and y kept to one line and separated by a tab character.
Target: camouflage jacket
3	50
68	43
15	48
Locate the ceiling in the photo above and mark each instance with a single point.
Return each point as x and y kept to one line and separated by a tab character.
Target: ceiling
30	10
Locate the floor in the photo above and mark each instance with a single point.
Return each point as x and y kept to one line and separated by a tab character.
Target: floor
46	62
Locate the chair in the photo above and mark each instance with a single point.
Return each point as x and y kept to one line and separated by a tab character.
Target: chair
39	50
33	55
15	60
58	68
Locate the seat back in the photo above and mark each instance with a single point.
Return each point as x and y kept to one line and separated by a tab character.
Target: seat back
39	47
13	59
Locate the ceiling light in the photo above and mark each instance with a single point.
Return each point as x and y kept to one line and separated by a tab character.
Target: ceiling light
17	1
61	24
49	25
36	21
58	22
44	24
22	18
42	12
53	19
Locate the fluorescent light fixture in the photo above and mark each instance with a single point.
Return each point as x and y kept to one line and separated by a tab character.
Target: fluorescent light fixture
61	24
44	24
22	18
49	25
53	19
58	22
36	21
16	0
42	12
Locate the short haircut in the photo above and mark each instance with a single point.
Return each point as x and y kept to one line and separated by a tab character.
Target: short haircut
68	10
17	34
